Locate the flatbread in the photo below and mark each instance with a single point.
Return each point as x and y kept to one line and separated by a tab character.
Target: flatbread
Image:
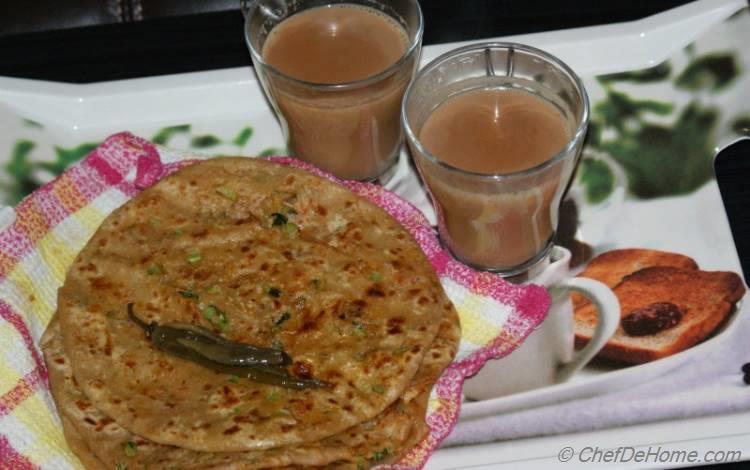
362	300
79	446
398	429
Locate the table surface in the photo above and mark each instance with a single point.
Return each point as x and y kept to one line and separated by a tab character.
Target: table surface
214	41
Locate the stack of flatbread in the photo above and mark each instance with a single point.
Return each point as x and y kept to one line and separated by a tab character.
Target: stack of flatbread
265	255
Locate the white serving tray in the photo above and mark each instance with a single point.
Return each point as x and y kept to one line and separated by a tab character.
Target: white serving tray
221	103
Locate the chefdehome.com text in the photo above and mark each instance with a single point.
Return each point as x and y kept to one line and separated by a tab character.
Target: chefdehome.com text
651	454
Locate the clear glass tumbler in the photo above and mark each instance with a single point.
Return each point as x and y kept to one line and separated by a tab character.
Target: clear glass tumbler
351	129
502	222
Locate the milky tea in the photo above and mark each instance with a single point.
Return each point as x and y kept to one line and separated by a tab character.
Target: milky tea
354	133
495	130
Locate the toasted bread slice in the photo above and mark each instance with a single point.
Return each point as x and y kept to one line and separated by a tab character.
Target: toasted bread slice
704	300
610	267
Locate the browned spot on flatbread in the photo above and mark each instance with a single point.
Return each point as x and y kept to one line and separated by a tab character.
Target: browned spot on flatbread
375	291
232	430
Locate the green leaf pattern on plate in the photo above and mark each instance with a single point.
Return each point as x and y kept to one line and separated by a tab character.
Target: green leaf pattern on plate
20	171
68	156
23	172
664	149
164	134
712	72
664	161
204	141
33	123
243	136
597	179
271	151
741	125
655	74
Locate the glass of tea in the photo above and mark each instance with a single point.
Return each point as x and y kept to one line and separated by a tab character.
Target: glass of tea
335	73
496	130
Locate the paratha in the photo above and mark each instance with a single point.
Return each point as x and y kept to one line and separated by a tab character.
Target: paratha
291	260
79	446
397	429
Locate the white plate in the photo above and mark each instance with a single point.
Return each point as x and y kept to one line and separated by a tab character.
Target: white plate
221	103
598	379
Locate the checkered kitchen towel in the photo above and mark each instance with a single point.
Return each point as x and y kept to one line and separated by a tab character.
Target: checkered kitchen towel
47	229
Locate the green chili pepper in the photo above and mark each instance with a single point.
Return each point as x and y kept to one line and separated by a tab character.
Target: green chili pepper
212	347
202	347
